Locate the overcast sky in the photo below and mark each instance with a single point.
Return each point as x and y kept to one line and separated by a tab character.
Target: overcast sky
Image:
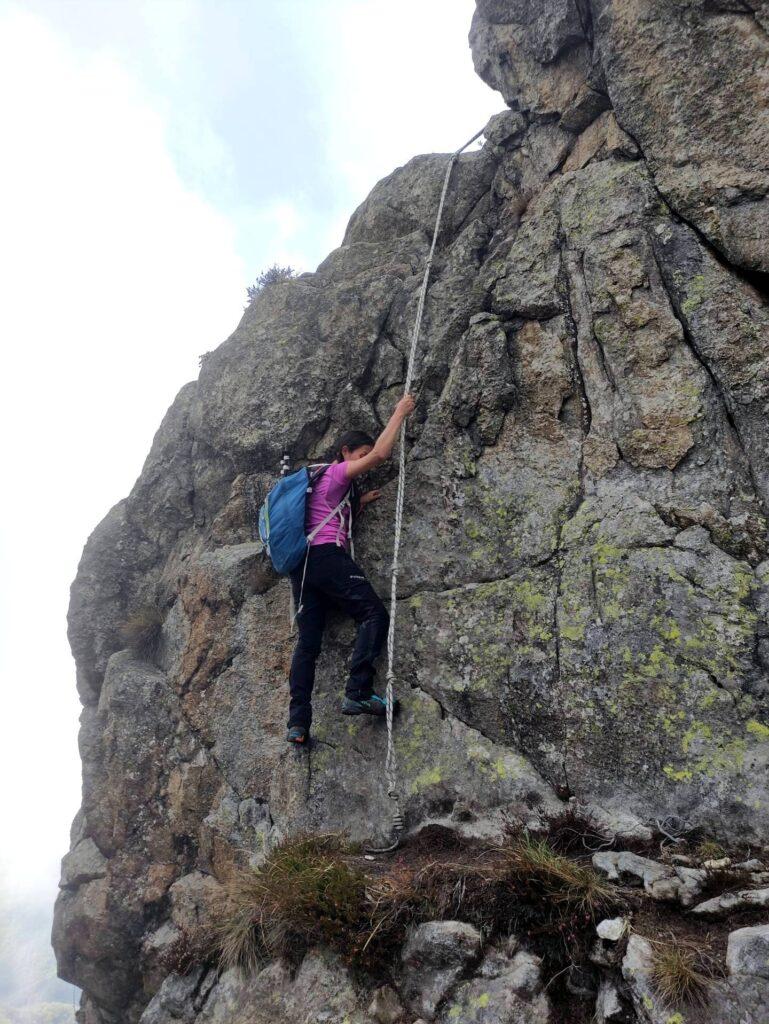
156	156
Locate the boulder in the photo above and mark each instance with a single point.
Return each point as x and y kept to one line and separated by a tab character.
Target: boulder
721	906
748	951
510	994
609	1007
435	956
386	1007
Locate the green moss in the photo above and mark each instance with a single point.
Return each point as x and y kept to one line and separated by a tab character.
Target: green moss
696	731
472	530
670	721
696	293
671	631
602	553
758	729
678	775
425	779
574	632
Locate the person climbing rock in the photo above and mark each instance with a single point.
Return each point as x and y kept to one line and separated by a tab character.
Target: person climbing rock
332	579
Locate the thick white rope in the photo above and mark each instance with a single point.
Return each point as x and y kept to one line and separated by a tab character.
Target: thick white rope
390	762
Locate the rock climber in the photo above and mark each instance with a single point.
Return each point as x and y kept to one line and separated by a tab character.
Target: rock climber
332	579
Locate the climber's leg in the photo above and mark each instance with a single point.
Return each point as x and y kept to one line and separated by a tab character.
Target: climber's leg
373	621
346	584
310	622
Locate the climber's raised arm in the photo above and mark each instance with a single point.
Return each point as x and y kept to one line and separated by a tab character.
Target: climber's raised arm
384	444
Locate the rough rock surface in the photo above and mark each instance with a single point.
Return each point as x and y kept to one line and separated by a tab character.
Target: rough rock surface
662	881
434	957
585	589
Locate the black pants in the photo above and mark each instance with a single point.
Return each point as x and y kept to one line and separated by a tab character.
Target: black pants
333	580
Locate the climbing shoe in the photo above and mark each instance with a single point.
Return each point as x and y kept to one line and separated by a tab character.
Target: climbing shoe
297	734
371	705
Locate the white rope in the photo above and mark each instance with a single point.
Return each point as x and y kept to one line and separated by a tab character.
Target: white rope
390	762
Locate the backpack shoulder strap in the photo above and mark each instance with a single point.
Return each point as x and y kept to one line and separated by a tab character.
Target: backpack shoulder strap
316	471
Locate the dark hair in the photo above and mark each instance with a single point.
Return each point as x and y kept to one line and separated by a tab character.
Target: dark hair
351	439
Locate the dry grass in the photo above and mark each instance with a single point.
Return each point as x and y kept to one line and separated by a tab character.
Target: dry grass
187	952
311	890
682	972
142	631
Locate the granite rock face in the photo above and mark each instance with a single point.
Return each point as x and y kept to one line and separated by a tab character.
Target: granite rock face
585	585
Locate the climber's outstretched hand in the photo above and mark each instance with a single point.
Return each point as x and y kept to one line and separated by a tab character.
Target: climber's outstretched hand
405	407
383	447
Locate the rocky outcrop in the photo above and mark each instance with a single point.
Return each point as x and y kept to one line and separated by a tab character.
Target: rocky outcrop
585	586
687	82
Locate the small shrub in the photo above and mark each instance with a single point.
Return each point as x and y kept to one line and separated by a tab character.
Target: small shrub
142	632
683	973
270	276
572	833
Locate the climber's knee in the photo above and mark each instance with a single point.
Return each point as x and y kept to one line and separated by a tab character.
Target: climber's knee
380	621
309	647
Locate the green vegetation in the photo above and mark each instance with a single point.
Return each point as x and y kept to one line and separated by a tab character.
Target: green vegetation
272	275
708	849
564	885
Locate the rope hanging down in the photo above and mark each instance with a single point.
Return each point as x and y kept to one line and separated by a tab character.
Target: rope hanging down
390	762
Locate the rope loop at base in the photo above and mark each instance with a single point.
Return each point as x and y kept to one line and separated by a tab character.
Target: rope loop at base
397	828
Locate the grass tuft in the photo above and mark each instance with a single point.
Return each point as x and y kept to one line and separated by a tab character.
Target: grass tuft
304	893
559	881
708	849
682	973
142	632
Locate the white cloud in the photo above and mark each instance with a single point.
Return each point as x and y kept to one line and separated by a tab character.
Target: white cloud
401	83
115	277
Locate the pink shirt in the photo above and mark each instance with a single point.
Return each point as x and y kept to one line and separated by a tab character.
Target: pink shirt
326	495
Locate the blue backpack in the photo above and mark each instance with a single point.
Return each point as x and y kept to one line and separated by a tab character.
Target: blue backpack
282	518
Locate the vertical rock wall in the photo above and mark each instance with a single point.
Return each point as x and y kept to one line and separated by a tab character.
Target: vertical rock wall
585	587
